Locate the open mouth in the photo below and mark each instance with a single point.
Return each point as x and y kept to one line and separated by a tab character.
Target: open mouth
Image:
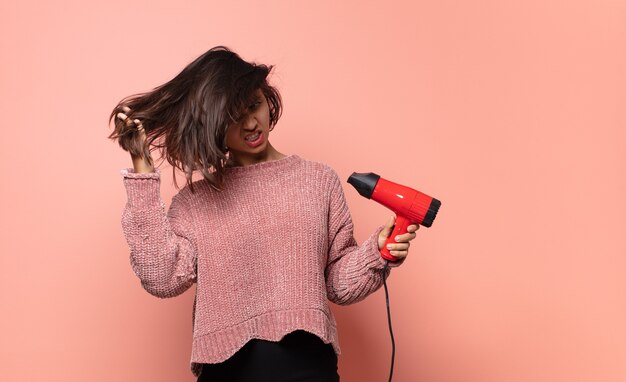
253	137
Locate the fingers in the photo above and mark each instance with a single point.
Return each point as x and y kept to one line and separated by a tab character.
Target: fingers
138	124
123	117
398	252
413	227
401	248
404	238
410	235
398	246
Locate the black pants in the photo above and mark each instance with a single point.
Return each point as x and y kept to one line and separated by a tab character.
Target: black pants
298	357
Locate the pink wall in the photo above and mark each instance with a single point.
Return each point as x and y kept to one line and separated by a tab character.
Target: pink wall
510	112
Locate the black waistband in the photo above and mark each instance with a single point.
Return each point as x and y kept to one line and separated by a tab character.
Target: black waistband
299	354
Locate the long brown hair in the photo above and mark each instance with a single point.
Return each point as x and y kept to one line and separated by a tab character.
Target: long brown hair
187	117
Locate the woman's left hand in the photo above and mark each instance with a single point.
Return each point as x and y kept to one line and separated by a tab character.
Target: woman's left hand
400	249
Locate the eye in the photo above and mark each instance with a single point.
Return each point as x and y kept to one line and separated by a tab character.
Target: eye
255	105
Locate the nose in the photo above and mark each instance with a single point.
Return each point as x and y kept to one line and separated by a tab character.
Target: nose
249	122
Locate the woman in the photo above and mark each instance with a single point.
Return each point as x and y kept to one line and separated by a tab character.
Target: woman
266	236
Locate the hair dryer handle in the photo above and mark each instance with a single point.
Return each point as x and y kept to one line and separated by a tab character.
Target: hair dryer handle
400	228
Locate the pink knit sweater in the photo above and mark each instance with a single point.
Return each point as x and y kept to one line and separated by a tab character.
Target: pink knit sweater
267	252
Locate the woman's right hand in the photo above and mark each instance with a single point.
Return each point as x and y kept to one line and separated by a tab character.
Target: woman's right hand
140	164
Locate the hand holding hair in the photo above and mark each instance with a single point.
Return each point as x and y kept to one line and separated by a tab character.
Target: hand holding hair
140	164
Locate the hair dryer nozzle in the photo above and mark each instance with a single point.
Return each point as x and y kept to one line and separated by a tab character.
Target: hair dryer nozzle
364	183
431	214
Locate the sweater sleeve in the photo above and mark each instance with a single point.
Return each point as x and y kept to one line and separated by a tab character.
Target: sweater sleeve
162	245
353	271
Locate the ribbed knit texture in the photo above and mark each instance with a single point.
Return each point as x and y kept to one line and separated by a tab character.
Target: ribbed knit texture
267	252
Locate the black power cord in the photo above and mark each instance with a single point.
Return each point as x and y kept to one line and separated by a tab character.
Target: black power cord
393	342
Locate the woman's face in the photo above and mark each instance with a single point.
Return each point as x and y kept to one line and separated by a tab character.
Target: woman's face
247	139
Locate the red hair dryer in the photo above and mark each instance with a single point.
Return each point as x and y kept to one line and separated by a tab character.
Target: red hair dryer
409	205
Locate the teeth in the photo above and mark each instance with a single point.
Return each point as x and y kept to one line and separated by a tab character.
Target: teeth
252	137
